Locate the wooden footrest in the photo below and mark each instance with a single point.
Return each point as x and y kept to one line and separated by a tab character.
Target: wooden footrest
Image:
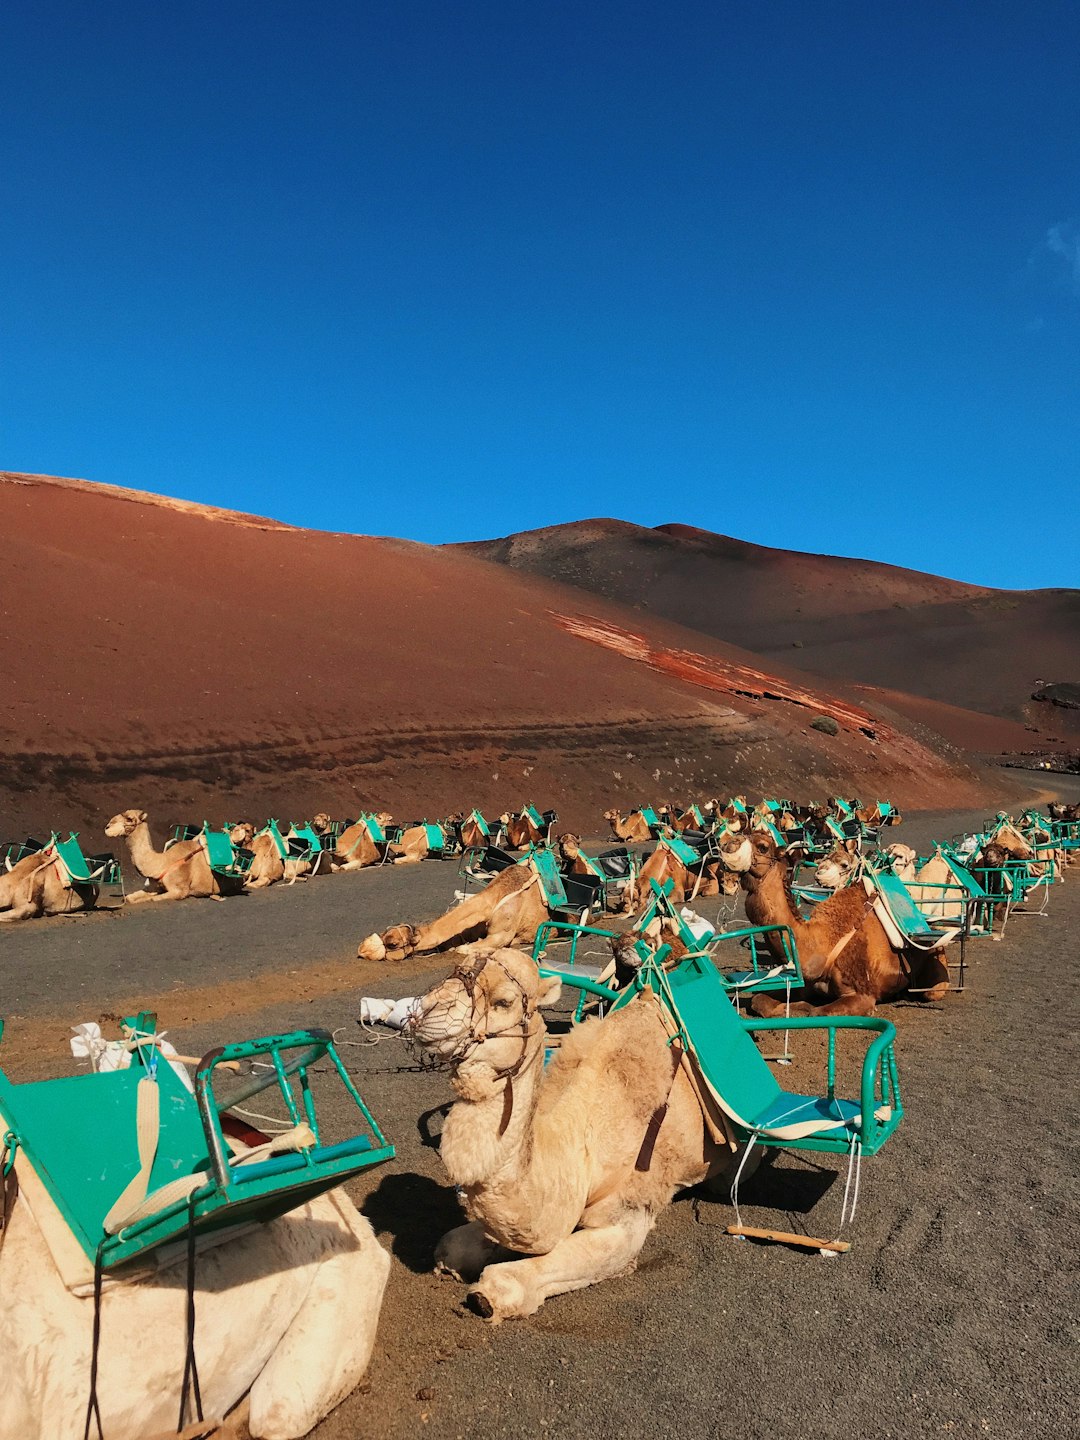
788	1237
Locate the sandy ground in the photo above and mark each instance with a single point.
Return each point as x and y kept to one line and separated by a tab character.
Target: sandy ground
954	1314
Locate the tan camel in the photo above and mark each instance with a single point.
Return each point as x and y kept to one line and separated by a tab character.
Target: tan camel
182	872
268	867
39	885
508	911
568	1166
839	867
631	829
286	1313
413	846
354	848
844	951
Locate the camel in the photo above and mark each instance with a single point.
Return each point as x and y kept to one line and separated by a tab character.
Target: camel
182	872
471	832
39	885
286	1314
632	829
846	957
876	817
687	881
840	866
354	848
268	867
575	862
568	1167
413	846
508	911
522	829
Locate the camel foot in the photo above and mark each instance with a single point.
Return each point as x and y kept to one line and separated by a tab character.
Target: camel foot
480	1305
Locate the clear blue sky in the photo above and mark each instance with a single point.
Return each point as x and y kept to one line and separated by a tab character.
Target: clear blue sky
802	271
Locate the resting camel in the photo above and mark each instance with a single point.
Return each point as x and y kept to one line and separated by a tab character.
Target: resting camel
844	951
508	911
38	885
286	1314
567	1166
354	848
413	846
875	816
470	831
575	862
522	830
268	867
631	829
688	881
180	873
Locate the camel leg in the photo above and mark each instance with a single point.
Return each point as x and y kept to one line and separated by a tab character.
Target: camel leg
520	1287
465	1252
473	914
847	1003
26	911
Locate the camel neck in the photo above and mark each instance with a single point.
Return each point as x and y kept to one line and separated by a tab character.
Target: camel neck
144	857
487	1127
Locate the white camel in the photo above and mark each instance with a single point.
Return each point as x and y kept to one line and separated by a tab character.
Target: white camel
568	1166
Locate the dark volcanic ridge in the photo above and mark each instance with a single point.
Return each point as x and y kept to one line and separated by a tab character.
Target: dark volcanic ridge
856	621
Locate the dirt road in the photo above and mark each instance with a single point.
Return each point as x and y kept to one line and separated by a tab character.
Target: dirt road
953	1315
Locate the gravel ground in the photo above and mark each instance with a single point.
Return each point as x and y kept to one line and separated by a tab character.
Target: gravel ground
954	1313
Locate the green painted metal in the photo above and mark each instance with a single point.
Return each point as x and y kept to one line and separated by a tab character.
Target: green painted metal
479	820
551	881
680	849
308	837
224	858
436	837
721	1044
273	829
79	1134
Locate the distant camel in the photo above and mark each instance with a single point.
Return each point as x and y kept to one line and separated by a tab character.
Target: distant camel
508	911
180	873
354	848
38	885
522	829
844	951
268	867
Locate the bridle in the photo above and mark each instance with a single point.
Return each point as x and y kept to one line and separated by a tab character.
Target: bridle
467	974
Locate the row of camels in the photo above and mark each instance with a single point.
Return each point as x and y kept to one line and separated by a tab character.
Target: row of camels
849	954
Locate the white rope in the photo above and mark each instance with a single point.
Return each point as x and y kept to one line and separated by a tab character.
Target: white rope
851	1193
738	1178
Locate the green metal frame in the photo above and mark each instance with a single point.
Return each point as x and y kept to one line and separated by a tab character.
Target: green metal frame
79	1134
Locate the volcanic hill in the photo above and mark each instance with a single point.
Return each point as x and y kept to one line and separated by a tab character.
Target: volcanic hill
852	620
198	663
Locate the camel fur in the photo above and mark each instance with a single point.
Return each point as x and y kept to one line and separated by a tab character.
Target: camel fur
268	867
521	831
845	954
508	911
182	872
663	865
285	1312
632	829
37	885
354	848
567	1168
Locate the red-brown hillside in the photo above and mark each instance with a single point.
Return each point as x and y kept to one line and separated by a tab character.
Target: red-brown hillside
196	662
853	620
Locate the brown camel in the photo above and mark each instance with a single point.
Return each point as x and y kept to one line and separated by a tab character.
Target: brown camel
561	1171
845	953
633	829
877	817
182	872
523	831
39	885
354	848
508	911
687	880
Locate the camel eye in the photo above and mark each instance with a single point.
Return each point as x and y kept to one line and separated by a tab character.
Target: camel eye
502	1004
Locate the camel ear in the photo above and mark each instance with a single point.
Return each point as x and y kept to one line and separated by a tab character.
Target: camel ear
549	992
851	846
142	816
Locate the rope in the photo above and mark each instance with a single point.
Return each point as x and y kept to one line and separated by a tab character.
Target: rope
191	1369
93	1409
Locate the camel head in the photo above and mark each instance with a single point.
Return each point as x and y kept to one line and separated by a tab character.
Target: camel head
125	823
484	1014
737	850
322	822
242	834
835	869
610	815
568	846
903	858
728	881
397	943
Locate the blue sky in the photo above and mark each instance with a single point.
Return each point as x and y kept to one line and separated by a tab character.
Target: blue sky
804	273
